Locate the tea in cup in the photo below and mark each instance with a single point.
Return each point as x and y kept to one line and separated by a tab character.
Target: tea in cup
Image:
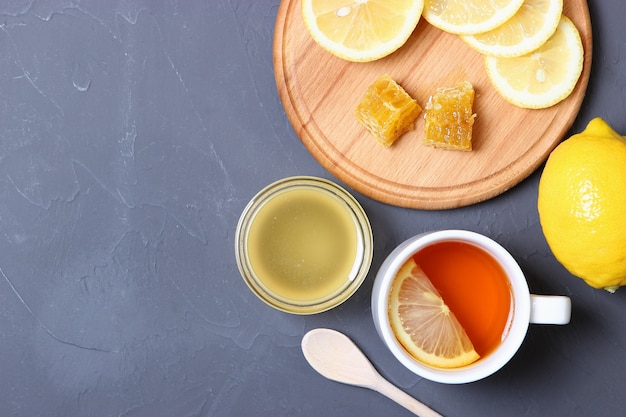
483	287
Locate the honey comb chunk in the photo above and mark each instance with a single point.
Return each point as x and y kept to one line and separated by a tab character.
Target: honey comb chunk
449	117
387	111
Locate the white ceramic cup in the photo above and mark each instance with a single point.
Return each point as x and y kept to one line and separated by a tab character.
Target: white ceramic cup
526	308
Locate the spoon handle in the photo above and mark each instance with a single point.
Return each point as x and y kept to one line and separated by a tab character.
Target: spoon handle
394	393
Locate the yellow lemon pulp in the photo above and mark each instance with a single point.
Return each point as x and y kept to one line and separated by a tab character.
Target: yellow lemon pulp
543	77
582	205
532	25
361	30
424	324
466	17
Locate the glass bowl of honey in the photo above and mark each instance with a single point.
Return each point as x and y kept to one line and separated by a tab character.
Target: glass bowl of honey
303	245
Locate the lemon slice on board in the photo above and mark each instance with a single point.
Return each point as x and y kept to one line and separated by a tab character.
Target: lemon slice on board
544	77
466	17
361	30
532	25
424	324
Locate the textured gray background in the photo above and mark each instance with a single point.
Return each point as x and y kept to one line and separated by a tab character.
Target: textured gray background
132	134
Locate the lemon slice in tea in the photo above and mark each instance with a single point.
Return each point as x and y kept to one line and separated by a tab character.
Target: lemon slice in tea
423	323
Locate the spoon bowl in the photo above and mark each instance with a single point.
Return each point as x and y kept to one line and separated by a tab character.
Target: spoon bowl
336	357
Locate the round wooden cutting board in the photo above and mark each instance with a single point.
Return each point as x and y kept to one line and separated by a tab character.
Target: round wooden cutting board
319	93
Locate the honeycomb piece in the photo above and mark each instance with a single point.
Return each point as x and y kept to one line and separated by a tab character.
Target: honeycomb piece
387	111
449	117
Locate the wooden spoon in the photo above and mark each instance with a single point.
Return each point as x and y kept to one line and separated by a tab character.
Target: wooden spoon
336	357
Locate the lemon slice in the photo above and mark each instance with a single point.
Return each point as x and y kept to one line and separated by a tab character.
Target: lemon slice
467	17
424	324
527	30
543	77
361	30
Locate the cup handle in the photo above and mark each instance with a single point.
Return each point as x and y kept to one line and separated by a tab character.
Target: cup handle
550	309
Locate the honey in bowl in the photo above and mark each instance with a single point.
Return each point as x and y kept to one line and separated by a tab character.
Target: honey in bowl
303	245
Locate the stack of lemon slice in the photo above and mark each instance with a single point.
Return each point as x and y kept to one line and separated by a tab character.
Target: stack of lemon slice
533	53
529	28
544	77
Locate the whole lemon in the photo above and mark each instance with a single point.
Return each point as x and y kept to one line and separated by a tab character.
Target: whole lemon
582	205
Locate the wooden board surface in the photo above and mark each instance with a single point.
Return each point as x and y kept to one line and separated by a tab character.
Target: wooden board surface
319	93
